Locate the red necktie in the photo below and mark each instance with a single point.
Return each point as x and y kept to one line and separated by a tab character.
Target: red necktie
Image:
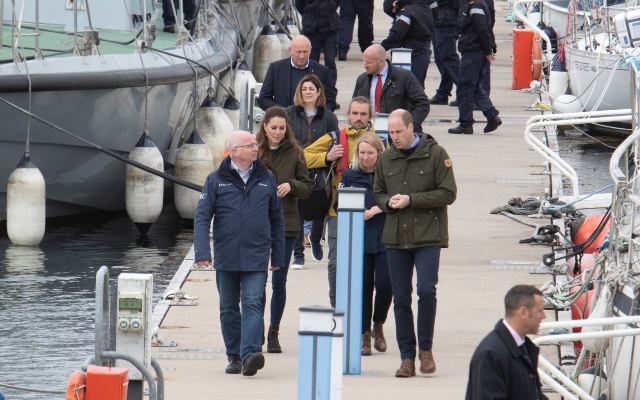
378	92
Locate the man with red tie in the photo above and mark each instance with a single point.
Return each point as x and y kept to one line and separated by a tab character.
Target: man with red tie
390	88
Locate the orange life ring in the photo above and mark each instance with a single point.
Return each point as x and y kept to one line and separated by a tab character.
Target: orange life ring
537	57
76	387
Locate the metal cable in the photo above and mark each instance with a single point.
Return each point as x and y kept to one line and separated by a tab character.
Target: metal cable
146	77
136	164
49	391
26	67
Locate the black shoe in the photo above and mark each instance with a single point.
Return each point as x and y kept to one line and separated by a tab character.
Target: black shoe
342	57
493	124
252	364
454	103
316	251
234	367
337	106
462	130
169	29
435	100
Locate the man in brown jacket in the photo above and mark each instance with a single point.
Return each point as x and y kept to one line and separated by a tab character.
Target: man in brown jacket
414	185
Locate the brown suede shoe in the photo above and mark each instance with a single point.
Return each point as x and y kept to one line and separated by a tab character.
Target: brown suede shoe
427	363
407	369
379	342
366	344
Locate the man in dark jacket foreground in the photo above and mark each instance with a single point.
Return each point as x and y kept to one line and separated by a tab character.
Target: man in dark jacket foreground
397	87
505	364
248	227
414	184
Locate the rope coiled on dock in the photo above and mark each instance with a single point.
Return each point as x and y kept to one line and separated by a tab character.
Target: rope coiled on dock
25	389
532	206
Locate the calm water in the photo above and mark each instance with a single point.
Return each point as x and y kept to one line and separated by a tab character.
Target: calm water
47	293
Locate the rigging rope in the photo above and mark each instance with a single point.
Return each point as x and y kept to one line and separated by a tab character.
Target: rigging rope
26	389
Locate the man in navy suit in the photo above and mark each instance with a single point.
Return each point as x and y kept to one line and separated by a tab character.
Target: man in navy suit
283	76
505	364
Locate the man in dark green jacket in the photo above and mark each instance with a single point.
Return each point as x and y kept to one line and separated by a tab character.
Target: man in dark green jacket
414	185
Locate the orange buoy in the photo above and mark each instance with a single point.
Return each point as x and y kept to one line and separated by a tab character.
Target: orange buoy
587	262
537	57
76	387
585	229
522	58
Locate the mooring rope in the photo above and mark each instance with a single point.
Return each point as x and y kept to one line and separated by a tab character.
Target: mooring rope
26	389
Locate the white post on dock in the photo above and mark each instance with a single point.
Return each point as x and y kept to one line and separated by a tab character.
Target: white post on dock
336	355
401	58
349	272
314	352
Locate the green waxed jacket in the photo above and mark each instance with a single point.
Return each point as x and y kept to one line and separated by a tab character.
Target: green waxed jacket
427	177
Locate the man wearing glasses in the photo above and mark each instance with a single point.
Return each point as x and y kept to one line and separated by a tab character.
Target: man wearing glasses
248	228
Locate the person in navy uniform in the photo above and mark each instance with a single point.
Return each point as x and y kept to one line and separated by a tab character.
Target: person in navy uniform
505	364
349	10
477	46
412	29
445	38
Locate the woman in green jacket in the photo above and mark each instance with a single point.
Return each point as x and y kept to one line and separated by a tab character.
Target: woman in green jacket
285	158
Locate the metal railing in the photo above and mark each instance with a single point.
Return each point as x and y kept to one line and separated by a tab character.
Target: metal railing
586	117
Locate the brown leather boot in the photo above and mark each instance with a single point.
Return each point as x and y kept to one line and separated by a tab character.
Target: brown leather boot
407	369
366	344
273	345
379	342
427	363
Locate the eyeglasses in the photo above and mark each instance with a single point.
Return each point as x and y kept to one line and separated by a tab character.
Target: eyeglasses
255	144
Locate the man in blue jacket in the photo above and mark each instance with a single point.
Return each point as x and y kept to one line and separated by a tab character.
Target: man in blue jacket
248	227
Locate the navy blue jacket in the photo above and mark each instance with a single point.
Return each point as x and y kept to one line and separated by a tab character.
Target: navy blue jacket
373	227
476	28
278	90
248	224
412	27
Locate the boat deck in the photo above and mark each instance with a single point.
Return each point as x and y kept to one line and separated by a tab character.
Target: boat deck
482	262
53	40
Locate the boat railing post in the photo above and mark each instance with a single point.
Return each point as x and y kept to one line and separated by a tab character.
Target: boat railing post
349	272
1	18
75	26
101	314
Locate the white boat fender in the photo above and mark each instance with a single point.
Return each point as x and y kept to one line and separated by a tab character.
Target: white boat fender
601	309
214	126
567	103
593	381
285	42
245	73
194	162
291	26
232	109
534	14
144	191
26	204
558	79
266	49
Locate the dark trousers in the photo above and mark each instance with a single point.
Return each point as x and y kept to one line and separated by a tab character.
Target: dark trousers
401	264
279	284
419	66
349	9
486	85
470	88
326	41
316	234
167	11
375	274
447	60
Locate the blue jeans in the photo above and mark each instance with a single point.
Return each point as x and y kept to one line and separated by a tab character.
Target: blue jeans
375	274
279	284
447	60
242	333
470	90
349	9
401	263
317	227
329	42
